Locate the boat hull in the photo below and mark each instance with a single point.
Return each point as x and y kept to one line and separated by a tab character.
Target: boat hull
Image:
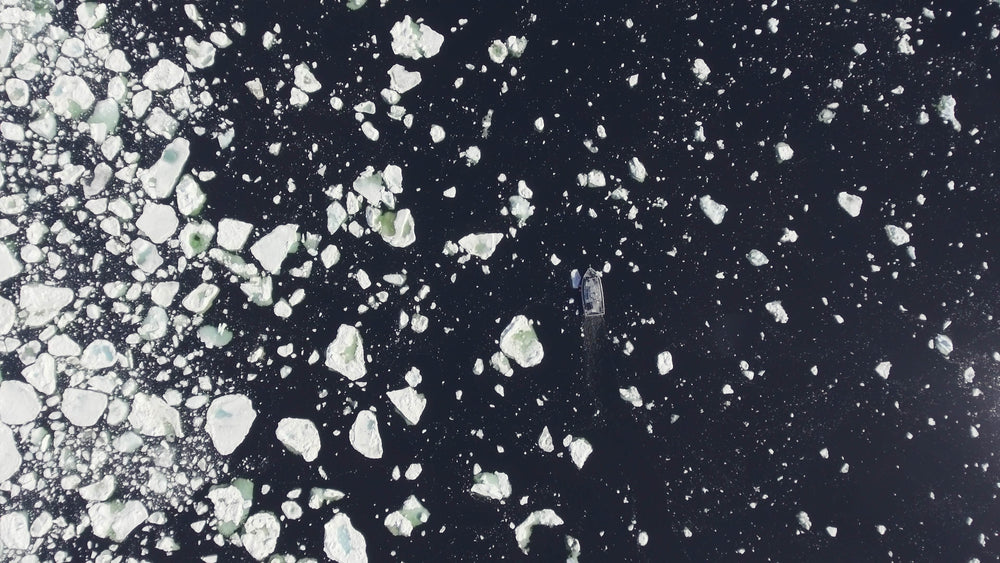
592	292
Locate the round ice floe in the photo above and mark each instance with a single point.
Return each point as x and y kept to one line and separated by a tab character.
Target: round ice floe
114	520
415	41
70	96
228	422
300	436
10	458
342	543
19	403
83	407
99	354
520	343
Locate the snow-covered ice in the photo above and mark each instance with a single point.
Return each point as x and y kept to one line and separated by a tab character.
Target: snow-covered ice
700	70
260	534
272	248
10	457
883	368
152	416
897	236
300	436
664	362
757	258
783	151
579	450
228	421
346	354
364	435
519	342
116	520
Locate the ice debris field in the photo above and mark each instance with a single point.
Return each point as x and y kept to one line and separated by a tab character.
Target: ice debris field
300	287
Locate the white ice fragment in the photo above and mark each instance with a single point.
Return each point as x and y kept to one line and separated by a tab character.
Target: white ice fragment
713	210
10	266
8	313
897	235
409	403
396	227
757	258
415	41
158	181
493	485
943	344
850	203
579	450
545	517
231	505
228	421
305	80
100	490
545	440
19	402
10	457
402	80
300	436
271	250
115	520
480	245
42	303
437	133
232	234
700	70
631	395
152	416
42	374
664	363
342	543
346	354
637	170
519	342
164	75
364	435
201	54
14	532
497	51
17	91
776	310
832	531
882	369
859	49
783	151
403	521
804	521
70	97
260	534
596	179
946	110
83	407
201	298
158	222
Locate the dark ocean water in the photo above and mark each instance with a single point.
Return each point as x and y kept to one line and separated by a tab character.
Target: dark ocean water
733	470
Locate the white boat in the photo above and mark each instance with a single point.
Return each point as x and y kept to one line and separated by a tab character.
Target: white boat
592	292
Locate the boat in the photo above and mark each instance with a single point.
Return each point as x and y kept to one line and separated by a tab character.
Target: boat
593	294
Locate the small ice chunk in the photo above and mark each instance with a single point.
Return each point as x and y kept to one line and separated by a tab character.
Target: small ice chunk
403	521
579	450
545	440
775	308
859	49
437	133
409	403
260	534
165	75
783	151
346	354
232	234
305	80
364	435
596	179
402	80
545	517
19	402
415	41
943	344
631	395
804	521
201	54
757	258
946	110
882	369
271	250
700	70
10	458
115	520
99	490
713	210
300	436
158	222
637	170
228	421
481	245
8	313
497	51
897	235
494	485
152	416
342	542
664	363
395	227
832	531
83	407
850	203
519	342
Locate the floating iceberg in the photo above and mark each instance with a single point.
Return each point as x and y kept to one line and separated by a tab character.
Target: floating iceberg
152	416
579	450
346	354
228	421
364	435
897	235
10	458
19	403
664	363
520	343
273	247
232	505
158	181
777	311
342	543
83	407
783	151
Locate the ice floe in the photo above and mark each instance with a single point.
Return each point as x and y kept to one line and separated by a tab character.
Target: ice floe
300	436
409	403
712	209
415	40
544	517
346	354
364	435
850	203
519	342
19	403
342	542
228	421
412	514
491	484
